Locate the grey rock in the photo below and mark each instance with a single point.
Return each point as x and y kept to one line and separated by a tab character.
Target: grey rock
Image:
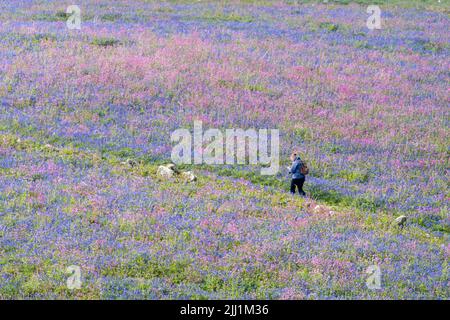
400	221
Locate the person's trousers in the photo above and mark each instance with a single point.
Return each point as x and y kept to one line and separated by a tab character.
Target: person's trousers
299	184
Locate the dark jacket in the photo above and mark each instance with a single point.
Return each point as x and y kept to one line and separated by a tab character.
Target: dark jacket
296	169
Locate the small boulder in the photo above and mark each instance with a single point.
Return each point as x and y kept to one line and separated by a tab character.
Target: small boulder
188	176
165	172
400	221
130	162
170	171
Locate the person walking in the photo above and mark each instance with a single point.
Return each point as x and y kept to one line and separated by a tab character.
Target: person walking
298	171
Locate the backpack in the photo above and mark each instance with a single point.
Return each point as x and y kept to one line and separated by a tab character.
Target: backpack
304	169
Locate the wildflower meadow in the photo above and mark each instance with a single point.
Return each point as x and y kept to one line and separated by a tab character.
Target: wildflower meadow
90	96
